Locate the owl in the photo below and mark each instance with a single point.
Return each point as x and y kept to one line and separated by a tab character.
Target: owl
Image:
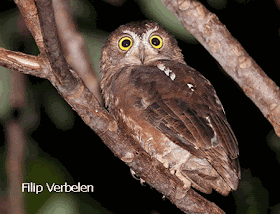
169	108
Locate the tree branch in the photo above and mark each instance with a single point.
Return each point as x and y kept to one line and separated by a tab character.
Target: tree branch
15	144
209	31
15	165
53	48
31	20
23	63
218	41
74	47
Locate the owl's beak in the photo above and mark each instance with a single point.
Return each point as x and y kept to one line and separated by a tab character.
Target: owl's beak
142	54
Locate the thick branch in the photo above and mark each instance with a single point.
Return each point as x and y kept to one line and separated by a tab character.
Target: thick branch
53	48
215	37
74	47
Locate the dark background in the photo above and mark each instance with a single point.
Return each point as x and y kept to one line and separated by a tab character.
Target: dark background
61	143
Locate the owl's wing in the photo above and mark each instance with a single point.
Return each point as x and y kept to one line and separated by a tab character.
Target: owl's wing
186	109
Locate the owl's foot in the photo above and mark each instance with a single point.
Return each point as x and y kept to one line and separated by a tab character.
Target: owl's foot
142	181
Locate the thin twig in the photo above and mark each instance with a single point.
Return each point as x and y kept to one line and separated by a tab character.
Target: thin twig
215	37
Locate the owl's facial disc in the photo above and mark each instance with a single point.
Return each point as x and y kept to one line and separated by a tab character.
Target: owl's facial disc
141	49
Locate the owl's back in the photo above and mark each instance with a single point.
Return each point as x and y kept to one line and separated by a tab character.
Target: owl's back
172	120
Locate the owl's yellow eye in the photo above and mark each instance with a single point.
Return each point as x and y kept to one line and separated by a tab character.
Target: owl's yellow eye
156	41
125	43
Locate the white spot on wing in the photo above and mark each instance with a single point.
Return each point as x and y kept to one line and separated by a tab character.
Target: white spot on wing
172	76
190	86
161	66
151	138
117	101
213	139
167	71
144	103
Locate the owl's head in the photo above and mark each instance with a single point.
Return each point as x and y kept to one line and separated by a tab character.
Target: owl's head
139	43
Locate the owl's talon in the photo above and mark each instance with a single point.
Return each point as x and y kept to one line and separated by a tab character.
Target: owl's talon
142	181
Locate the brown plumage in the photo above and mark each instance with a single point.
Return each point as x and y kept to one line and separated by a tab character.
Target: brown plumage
170	109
